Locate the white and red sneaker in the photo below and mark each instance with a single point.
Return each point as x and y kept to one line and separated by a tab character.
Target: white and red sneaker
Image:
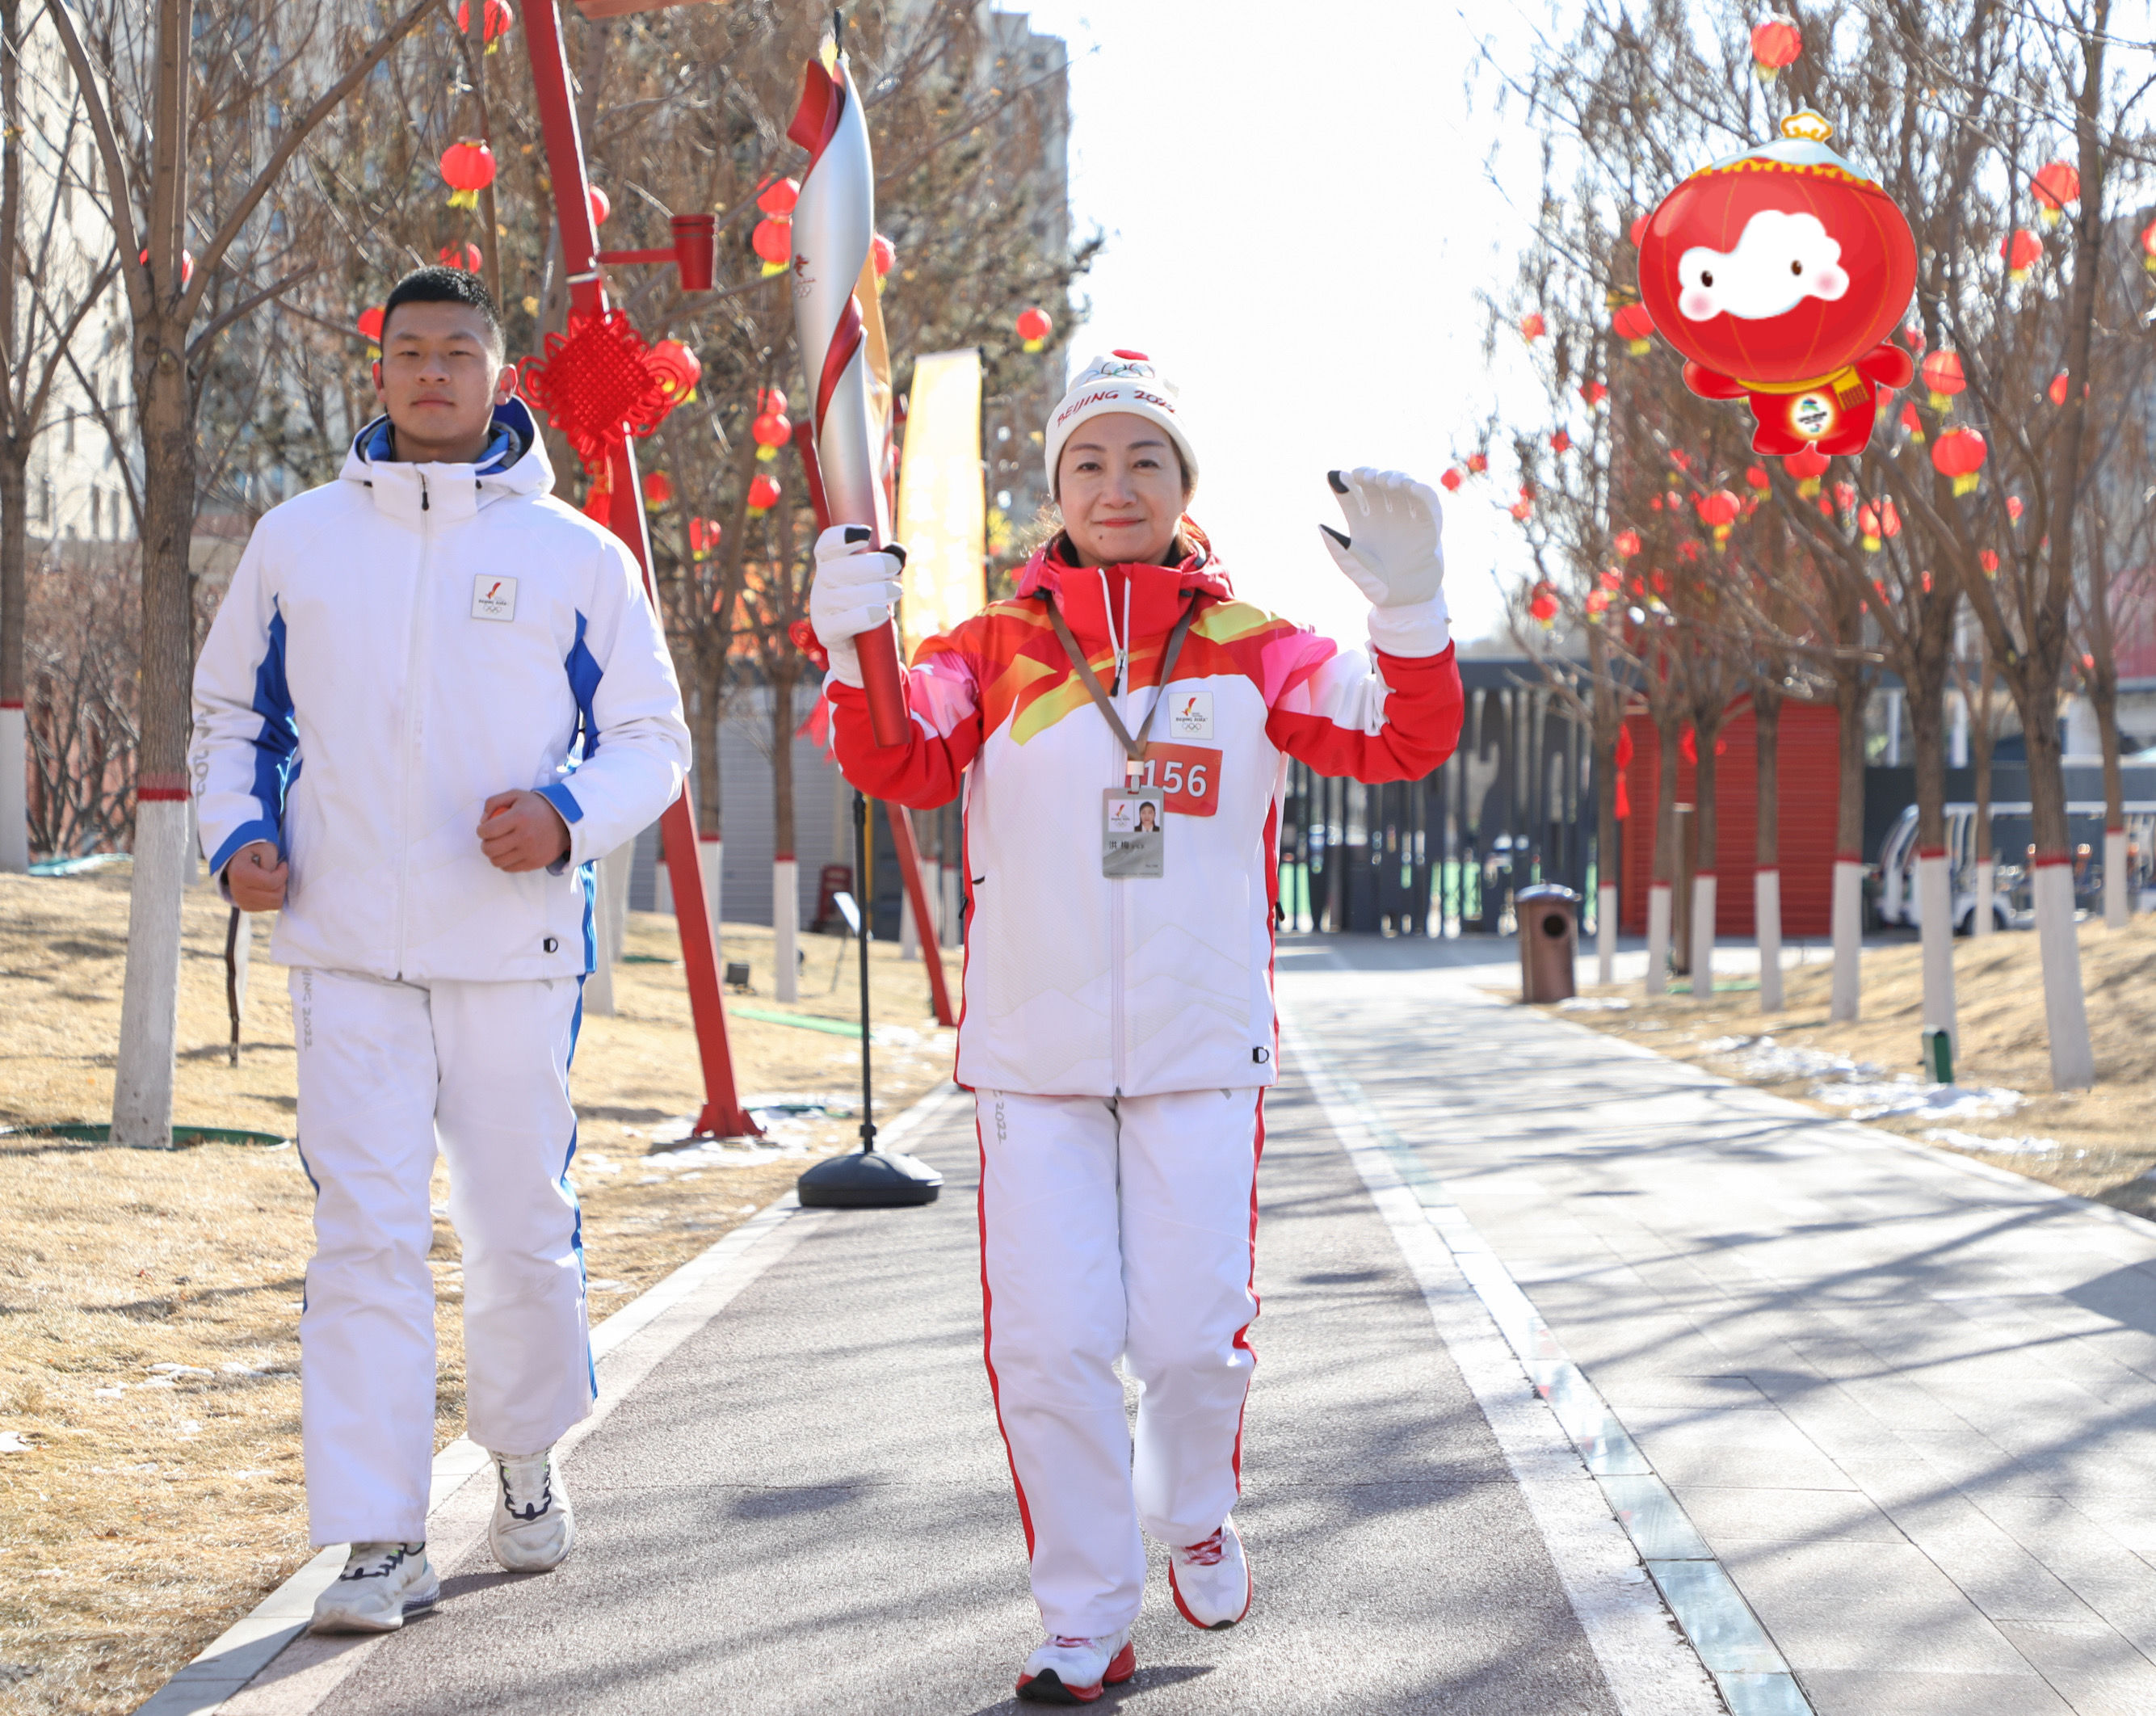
1073	1670
1211	1578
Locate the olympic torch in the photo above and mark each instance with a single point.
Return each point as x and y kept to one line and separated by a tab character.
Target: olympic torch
833	225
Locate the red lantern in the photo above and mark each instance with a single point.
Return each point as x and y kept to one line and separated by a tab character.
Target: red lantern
465	256
1989	562
1593	393
773	241
1521	508
1610	579
1477	462
704	534
762	495
2013	508
2149	247
1543	604
1452	480
1034	327
468	169
1960	454
1626	543
1774	45
602	207
2020	250
882	253
2057	393
1868	523
1597	603
1912	337
771	432
370	323
1681	459
771	399
1845	496
1807	467
1718	512
1942	376
1757	476
1635	327
677	370
1532	325
2056	185
1560	441
658	489
777	198
1654	504
1777	275
1687	551
1913	424
498	18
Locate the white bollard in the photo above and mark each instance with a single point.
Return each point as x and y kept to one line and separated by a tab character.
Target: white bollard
14	807
785	929
149	1003
1702	935
1658	938
1935	910
1889	894
909	932
1605	933
1981	923
2066	1010
954	906
2115	906
711	849
1767	923
1848	925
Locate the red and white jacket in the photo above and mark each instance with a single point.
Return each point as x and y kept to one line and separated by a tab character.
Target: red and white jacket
1080	985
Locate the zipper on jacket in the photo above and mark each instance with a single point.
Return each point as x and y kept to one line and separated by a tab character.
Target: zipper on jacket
1116	887
407	742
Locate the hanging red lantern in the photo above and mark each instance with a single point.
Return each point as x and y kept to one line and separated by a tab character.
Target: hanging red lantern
370	323
1452	479
1635	326
2056	185
187	267
771	399
602	207
1718	512
2020	250
1989	562
1942	376
1779	274
762	495
1912	337
1845	496
1867	524
778	197
883	254
1594	392
1654	504
772	240
498	19
677	370
1681	459
1756	475
1807	467
1532	327
1477	462
771	431
1913	424
466	257
2057	393
1687	551
1543	604
1596	604
1610	579
2149	247
2013	508
1960	454
468	169
658	489
1775	44
1560	441
1626	542
1521	508
704	534
1034	327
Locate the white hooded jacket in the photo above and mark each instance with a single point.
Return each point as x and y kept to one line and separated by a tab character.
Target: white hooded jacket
396	647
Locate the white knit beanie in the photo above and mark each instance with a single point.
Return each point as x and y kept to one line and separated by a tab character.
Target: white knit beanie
1123	381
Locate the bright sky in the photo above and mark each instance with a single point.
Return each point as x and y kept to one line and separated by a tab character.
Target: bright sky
1298	221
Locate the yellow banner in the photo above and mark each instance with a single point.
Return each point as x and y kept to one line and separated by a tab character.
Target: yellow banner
942	502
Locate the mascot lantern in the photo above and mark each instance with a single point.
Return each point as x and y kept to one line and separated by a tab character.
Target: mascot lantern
1777	274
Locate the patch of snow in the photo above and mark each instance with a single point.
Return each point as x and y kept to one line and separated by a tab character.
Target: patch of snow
1997	1147
169	1368
110	1394
606	1287
1594	1003
1866	1090
12	1442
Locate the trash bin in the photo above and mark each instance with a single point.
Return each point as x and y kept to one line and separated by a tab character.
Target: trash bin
1549	941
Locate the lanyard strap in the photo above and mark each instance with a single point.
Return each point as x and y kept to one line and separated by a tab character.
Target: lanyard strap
1134	748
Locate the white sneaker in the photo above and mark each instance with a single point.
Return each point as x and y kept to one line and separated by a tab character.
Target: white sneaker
381	1585
1211	1578
531	1528
1072	1671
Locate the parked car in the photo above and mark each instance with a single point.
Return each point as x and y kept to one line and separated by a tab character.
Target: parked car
1894	893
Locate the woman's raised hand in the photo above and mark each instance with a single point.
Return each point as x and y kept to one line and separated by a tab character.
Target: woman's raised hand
1391	550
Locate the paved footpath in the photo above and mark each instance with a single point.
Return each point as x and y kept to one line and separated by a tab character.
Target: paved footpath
1904	1402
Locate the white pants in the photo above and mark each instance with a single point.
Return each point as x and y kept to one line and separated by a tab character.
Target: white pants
1121	1228
387	1069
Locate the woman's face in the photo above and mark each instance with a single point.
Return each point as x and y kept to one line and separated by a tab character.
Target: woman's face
1121	490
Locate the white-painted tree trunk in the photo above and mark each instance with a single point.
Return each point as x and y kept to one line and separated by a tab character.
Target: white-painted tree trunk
149	1003
954	906
1935	910
1981	921
1605	933
909	932
1889	894
2066	1012
786	929
14	807
1847	921
1702	935
614	872
662	885
2115	906
1658	938
711	850
1767	921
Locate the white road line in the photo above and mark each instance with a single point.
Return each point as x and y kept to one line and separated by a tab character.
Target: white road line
266	1664
1652	1668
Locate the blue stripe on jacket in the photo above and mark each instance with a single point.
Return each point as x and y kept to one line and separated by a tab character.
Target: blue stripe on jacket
276	751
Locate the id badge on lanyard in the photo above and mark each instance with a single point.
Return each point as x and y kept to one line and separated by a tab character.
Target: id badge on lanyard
1133	841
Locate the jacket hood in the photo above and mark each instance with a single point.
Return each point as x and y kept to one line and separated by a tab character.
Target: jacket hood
1103	603
1050	568
515	461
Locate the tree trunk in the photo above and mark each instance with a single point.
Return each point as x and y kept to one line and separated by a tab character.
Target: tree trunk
1660	891
2103	703
1767	874
1982	736
1928	711
711	841
1608	723
785	889
2052	878
1707	735
1852	692
14	737
149	1017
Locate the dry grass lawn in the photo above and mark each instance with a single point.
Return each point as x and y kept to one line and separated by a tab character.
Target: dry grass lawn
150	1473
2104	1136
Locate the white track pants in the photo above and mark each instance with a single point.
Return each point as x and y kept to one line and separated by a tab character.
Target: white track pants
386	1070
1117	1229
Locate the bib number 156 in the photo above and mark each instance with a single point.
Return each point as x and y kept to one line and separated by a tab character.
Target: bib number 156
1190	774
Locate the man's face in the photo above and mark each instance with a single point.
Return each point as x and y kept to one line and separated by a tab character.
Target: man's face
440	377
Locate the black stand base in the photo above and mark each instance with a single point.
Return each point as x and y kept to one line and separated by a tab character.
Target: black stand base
869	1179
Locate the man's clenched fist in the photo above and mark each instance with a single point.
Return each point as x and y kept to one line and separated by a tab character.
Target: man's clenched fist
521	832
255	876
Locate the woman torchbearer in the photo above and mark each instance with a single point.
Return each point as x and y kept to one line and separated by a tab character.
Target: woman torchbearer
1122	728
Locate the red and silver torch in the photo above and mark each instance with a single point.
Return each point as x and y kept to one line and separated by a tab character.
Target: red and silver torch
833	226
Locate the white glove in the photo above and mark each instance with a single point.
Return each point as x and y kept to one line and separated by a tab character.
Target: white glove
1392	555
854	591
